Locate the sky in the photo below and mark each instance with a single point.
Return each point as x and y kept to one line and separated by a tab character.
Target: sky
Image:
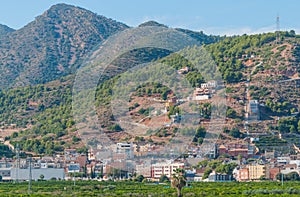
220	17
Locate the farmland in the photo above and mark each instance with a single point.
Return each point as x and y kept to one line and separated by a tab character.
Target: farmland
129	188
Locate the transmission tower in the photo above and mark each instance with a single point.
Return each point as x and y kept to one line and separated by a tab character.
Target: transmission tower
277	29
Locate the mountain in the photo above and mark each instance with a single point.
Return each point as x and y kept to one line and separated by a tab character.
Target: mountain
152	23
4	30
200	36
45	111
52	46
45	53
56	42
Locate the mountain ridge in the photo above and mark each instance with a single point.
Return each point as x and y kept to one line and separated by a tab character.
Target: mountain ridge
52	45
57	41
45	110
4	29
44	55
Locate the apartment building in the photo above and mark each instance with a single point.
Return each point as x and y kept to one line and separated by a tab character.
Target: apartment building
256	171
167	169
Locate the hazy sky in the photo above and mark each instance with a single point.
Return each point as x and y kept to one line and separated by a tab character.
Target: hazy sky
212	16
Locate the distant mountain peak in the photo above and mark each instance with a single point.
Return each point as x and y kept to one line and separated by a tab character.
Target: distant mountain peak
60	5
62	9
152	23
64	6
53	45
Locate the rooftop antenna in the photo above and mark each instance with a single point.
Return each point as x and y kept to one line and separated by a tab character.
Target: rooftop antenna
277	29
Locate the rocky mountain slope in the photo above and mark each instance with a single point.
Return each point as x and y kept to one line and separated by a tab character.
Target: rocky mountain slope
4	30
51	46
44	55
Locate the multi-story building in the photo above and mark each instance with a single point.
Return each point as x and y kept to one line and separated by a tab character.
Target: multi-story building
167	169
126	149
243	174
256	171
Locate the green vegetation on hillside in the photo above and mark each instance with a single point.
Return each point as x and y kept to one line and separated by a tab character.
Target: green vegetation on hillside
44	111
5	151
227	53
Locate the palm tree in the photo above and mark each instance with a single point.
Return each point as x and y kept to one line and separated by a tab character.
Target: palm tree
178	180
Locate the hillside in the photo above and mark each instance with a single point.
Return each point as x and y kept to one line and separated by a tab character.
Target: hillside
265	70
152	23
45	110
43	56
53	45
199	36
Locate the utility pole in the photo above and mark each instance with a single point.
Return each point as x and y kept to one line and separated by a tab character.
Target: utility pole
30	176
17	162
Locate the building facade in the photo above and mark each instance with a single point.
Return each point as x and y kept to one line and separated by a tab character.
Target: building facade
256	171
243	174
159	169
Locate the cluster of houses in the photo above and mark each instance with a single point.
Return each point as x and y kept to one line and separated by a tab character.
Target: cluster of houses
268	169
234	150
253	171
251	166
46	168
205	91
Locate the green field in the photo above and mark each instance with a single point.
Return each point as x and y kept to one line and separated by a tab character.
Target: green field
95	188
